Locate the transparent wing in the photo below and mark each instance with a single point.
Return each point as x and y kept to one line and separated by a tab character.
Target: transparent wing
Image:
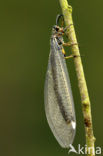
59	106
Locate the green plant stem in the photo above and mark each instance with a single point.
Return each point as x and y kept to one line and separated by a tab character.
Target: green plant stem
86	106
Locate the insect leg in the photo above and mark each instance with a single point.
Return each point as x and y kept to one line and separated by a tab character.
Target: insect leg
69	44
63	51
71	56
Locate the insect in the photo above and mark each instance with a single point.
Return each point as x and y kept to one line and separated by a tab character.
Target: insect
59	105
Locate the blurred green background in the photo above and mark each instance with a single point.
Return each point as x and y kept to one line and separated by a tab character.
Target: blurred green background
25	29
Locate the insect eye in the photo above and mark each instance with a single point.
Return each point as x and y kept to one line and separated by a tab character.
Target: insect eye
56	29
